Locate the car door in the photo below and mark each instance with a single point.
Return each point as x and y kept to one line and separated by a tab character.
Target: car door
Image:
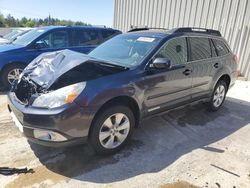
52	41
204	65
172	86
85	40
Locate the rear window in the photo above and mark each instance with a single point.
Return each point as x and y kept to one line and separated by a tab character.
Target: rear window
220	47
86	37
200	48
107	34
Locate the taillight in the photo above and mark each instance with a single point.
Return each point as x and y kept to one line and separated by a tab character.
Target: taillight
235	58
238	73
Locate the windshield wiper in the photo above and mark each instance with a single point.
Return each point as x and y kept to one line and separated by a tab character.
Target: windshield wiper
108	63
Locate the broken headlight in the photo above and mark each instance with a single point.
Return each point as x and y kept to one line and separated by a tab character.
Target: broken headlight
60	96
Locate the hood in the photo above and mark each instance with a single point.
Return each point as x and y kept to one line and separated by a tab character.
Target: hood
64	66
9	47
54	70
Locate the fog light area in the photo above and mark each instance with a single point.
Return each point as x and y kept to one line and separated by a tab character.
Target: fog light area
48	136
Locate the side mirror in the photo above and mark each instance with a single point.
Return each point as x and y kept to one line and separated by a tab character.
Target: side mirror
161	63
38	45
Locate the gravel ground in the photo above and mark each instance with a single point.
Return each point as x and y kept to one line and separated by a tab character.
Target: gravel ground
186	147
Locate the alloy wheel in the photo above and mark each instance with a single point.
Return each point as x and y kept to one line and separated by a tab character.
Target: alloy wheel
219	95
114	131
14	75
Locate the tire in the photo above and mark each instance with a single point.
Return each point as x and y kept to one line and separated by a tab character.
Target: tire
108	134
218	97
13	68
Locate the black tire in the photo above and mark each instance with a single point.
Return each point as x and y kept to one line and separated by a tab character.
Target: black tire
98	124
211	103
6	71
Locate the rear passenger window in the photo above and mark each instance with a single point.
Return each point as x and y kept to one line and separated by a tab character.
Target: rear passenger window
175	50
86	37
220	47
200	48
106	34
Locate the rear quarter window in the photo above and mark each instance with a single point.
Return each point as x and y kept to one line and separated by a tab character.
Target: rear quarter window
200	48
86	37
220	47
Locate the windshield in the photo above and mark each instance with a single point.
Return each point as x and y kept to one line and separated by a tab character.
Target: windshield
28	37
10	35
126	50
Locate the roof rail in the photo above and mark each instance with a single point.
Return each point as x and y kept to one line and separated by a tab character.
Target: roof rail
197	30
144	28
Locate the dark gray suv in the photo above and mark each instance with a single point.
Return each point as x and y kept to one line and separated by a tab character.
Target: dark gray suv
64	97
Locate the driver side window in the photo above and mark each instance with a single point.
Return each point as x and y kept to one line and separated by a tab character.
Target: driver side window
175	50
56	39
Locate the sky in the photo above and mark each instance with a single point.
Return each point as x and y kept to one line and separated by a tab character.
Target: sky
95	12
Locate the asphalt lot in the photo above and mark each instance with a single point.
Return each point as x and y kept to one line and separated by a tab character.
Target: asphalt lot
187	144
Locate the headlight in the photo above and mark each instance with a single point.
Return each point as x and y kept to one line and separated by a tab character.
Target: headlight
60	96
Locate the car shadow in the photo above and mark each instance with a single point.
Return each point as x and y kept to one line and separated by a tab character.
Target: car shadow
159	142
3	91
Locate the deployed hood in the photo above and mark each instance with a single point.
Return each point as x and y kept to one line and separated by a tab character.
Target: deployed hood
49	67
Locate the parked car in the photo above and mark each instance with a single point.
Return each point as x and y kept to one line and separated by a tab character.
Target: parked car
15	56
13	35
64	97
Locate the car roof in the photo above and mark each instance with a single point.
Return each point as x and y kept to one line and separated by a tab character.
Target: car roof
47	28
150	33
172	32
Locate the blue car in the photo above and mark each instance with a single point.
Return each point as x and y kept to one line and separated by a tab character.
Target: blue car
15	56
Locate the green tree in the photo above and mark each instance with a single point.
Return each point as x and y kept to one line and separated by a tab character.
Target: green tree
2	24
30	23
23	21
10	21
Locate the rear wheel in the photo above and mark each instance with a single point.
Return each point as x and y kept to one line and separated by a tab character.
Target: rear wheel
218	96
10	74
112	129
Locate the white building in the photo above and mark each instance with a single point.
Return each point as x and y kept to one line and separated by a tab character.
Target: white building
230	17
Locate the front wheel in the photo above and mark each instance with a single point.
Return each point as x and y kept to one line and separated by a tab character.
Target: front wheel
218	96
112	129
10	74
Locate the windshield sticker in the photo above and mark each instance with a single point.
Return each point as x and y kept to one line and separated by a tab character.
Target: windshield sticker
145	39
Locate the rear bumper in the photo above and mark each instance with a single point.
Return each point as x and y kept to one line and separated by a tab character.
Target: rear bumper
70	122
233	79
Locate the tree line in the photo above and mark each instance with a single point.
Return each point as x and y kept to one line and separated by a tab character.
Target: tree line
10	21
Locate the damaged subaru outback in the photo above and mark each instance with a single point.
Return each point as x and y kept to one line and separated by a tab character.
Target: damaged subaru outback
64	98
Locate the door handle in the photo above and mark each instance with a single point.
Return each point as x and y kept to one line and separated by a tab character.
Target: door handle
187	72
216	65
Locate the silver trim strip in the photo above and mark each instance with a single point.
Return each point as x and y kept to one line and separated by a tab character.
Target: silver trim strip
155	108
